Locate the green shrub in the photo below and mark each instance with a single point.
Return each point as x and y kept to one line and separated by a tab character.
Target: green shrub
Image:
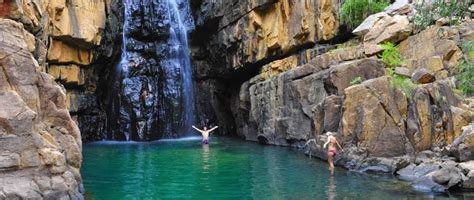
466	69
353	12
453	10
356	81
403	83
391	56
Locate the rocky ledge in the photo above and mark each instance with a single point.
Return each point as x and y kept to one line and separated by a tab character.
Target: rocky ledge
422	132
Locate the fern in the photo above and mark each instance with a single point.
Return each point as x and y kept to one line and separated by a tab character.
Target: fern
391	55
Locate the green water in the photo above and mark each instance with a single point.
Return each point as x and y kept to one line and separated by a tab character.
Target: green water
225	169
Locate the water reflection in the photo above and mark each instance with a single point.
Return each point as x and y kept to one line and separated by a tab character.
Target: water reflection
233	170
331	188
205	158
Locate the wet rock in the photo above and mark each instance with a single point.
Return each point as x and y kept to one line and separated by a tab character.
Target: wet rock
422	76
447	176
413	172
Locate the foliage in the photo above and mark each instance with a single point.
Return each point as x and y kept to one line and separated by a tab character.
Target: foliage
391	56
403	83
356	81
353	12
466	69
452	10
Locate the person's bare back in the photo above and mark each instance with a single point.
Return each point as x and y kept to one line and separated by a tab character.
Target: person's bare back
205	133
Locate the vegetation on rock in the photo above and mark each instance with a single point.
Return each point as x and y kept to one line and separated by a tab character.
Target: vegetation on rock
391	56
356	81
403	83
466	69
353	12
451	10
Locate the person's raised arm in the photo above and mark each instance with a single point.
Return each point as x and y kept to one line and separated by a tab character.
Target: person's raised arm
339	145
213	128
197	129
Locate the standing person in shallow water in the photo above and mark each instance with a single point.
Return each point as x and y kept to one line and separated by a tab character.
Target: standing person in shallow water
332	149
205	134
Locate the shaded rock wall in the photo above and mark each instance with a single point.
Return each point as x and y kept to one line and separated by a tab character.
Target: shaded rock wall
234	39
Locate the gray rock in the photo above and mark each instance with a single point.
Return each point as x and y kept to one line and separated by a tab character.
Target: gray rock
426	184
447	177
370	22
403	71
413	172
463	146
422	76
9	160
468	182
399	7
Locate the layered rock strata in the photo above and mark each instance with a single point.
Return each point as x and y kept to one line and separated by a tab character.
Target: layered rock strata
414	130
40	144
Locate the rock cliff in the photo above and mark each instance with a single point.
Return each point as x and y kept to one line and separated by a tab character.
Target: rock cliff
43	43
289	83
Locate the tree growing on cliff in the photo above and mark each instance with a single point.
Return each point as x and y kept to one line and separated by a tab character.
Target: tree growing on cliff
353	12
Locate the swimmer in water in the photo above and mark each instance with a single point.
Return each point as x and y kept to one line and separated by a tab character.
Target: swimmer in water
332	150
205	133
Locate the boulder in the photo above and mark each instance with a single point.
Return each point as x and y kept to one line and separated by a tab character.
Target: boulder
400	7
370	22
463	146
468	182
422	76
373	118
447	176
394	29
440	52
403	71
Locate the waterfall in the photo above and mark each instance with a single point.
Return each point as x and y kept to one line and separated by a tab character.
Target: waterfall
179	55
155	96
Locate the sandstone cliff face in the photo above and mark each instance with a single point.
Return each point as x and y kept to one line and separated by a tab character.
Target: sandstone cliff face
40	145
301	96
233	39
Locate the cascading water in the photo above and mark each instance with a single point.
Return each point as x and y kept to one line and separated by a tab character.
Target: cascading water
155	97
179	57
